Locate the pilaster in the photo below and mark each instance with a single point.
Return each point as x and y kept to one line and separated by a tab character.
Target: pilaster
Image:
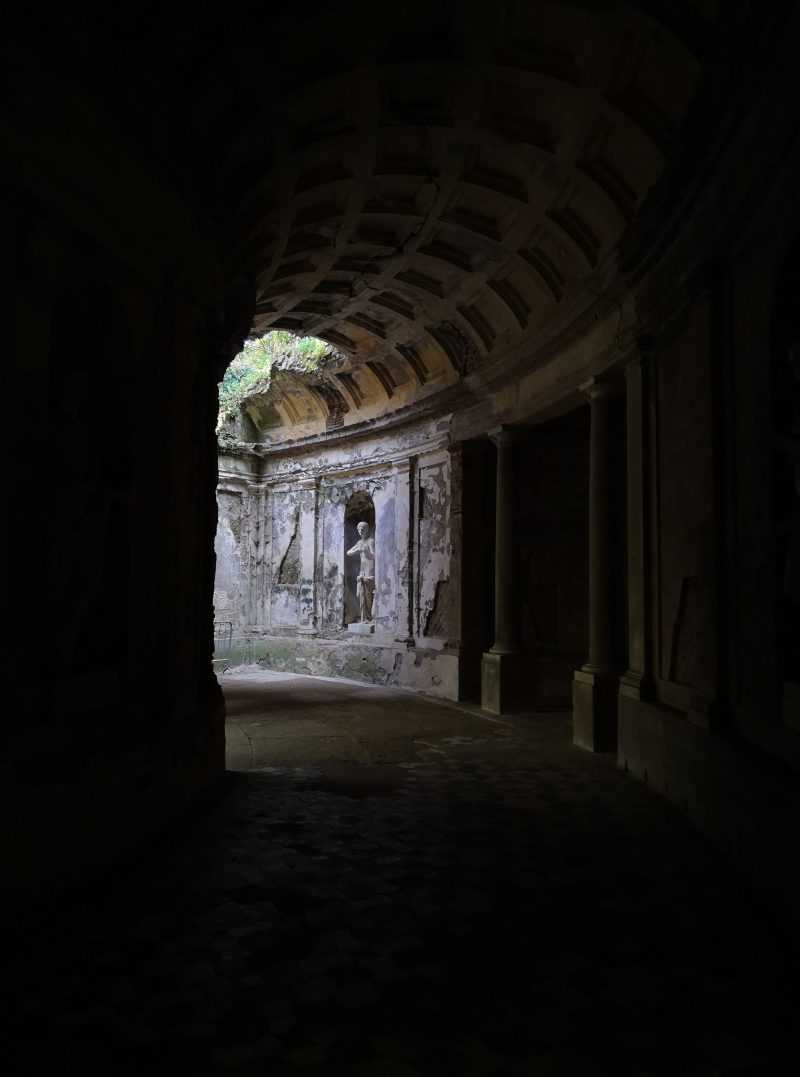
594	688
403	471
502	668
635	683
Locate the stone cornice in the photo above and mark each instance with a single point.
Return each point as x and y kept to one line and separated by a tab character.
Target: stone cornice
384	463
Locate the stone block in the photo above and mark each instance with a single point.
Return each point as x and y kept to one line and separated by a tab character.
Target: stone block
503	682
594	710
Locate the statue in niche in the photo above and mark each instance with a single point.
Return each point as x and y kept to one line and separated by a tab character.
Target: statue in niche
365	581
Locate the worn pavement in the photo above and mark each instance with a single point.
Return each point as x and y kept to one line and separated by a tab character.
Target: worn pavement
394	886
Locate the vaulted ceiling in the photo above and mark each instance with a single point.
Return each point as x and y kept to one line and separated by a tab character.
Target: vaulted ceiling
436	195
430	188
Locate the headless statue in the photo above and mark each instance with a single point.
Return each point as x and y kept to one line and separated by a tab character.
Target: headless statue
365	582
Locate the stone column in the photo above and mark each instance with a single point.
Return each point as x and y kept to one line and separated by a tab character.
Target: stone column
634	683
501	669
595	684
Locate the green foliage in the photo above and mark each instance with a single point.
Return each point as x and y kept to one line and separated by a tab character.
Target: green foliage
251	370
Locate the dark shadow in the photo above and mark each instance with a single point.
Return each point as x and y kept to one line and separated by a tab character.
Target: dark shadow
482	917
786	486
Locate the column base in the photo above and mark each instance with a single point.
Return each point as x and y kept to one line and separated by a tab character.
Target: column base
594	710
503	681
635	685
707	713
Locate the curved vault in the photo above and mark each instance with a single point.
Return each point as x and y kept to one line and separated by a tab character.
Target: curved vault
451	194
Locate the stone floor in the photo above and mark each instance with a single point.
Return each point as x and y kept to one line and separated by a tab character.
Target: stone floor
392	886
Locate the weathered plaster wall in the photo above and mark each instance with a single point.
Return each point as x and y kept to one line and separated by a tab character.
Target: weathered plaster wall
330	562
285	569
230	593
288	596
436	587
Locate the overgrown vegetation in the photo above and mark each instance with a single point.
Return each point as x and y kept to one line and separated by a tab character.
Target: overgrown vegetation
251	370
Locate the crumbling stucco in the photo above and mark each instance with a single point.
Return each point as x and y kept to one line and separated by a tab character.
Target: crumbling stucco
294	571
289	567
433	544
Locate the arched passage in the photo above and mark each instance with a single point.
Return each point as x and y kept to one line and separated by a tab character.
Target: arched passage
483	211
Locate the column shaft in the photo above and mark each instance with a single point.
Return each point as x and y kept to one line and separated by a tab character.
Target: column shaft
594	686
599	548
638	620
504	679
505	619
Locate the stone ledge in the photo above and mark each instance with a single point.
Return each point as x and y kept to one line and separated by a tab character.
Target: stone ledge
362	659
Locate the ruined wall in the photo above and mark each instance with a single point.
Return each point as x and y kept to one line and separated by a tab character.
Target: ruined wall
230	594
283	575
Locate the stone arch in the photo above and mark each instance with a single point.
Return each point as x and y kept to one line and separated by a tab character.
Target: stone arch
359	506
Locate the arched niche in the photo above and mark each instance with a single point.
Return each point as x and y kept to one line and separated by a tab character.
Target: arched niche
359	506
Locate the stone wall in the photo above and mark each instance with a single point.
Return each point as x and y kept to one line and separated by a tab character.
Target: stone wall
118	723
707	727
685	527
283	578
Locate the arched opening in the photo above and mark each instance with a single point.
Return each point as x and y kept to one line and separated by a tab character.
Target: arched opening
482	213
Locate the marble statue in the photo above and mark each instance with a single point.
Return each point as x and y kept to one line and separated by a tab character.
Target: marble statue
365	582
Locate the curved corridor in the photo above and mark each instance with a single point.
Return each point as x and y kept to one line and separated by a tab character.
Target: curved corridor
395	886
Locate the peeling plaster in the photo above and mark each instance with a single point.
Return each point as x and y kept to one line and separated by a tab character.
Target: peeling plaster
439	617
433	544
289	558
289	568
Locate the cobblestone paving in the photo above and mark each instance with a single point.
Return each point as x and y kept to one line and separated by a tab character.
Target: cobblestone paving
488	902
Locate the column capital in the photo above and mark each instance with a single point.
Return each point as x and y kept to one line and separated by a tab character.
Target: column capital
596	388
503	435
633	365
640	355
645	344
